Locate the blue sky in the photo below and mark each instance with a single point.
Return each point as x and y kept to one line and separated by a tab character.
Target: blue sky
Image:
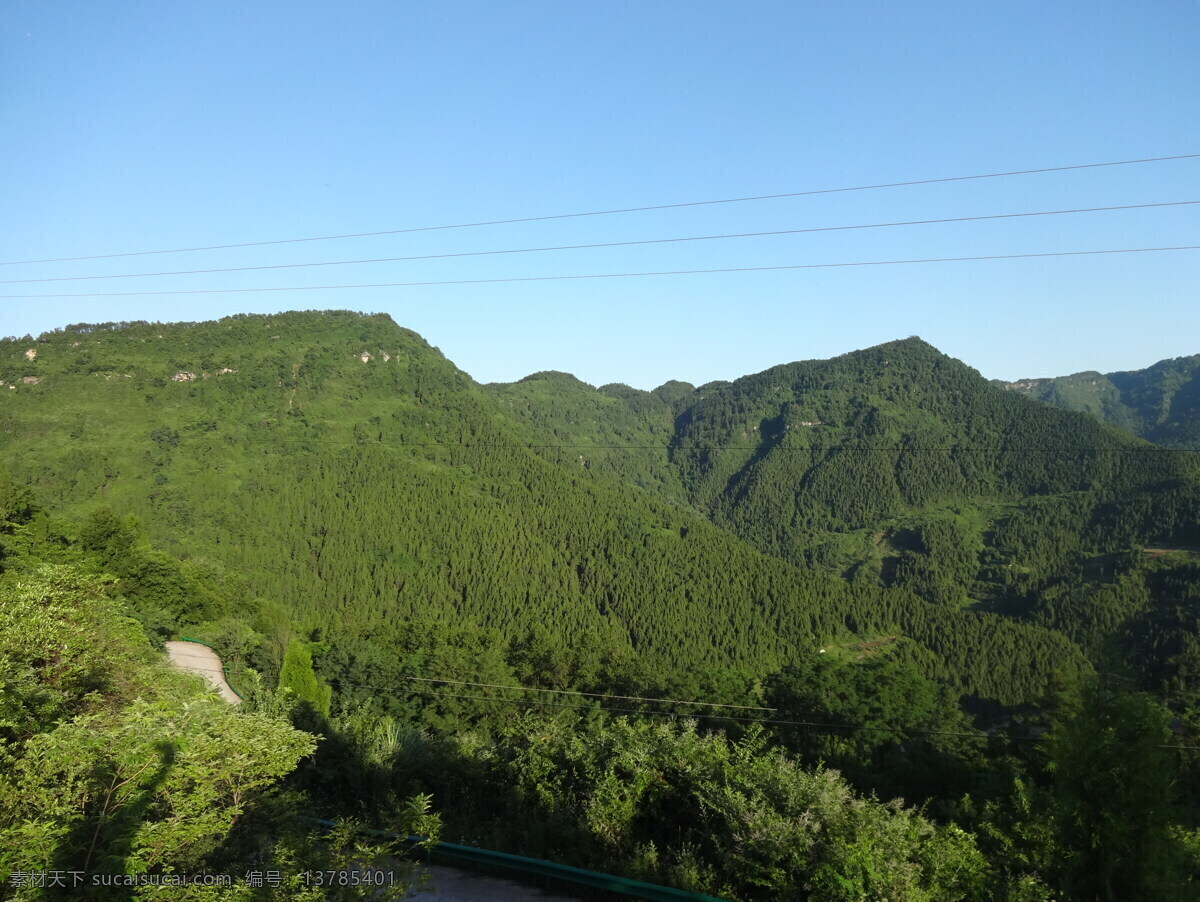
133	126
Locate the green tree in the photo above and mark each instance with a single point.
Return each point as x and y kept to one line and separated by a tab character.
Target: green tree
16	502
110	760
298	676
1113	798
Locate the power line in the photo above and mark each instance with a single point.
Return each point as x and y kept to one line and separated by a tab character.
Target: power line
488	698
813	725
614	275
636	698
772	721
594	246
824	449
762	720
675	206
709	449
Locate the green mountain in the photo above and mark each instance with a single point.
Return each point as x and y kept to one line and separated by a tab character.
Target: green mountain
345	469
893	466
1160	403
882	555
354	474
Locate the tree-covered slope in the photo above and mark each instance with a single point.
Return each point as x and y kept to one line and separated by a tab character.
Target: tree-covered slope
899	466
119	775
1160	403
882	435
346	469
615	430
847	546
845	461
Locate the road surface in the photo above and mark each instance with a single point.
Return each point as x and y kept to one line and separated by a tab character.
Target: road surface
451	885
197	658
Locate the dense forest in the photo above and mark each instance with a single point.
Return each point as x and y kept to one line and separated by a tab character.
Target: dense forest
955	631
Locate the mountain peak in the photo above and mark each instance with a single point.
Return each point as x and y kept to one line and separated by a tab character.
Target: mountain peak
556	376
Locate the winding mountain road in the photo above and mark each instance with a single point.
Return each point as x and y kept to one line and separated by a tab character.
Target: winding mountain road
443	884
197	658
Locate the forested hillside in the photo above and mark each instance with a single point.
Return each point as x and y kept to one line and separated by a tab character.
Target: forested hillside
123	778
1160	403
897	466
357	478
897	568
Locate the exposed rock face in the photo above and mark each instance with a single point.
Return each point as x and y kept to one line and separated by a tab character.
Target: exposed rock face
31	354
184	377
1025	385
31	380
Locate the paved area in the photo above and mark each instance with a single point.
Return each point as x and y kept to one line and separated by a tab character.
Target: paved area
450	885
197	658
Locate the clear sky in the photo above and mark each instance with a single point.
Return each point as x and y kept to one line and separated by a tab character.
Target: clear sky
138	125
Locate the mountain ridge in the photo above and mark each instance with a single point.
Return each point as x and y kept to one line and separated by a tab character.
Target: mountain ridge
1160	403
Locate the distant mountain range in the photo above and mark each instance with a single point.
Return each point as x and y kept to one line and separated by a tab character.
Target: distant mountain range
1160	403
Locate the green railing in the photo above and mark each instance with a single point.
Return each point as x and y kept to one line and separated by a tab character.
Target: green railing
451	853
224	669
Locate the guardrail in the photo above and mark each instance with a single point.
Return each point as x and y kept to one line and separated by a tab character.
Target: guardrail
451	853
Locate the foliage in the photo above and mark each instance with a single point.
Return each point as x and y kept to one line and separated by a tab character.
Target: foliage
874	544
298	677
115	767
879	721
701	812
1113	799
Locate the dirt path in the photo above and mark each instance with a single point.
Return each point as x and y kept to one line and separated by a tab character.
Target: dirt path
197	658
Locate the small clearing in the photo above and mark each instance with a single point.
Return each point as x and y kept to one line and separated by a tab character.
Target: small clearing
860	650
1182	549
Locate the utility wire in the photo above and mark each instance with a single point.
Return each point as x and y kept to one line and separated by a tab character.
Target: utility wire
709	449
698	203
775	722
814	725
822	449
669	701
763	720
612	275
634	698
594	246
